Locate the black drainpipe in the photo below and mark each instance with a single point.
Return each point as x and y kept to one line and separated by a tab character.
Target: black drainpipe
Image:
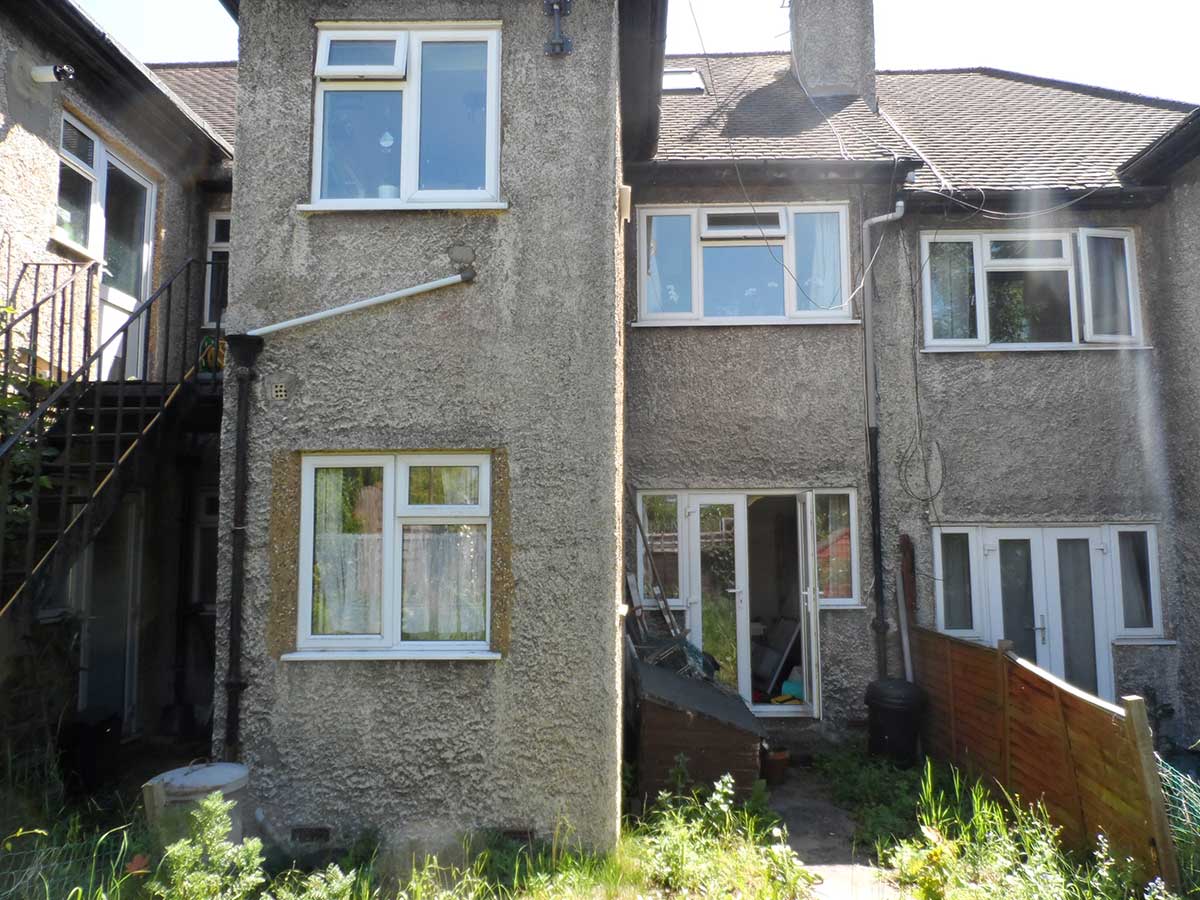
245	350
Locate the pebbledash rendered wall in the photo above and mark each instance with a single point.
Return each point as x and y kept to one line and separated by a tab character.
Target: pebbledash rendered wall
1178	336
1045	437
524	362
760	407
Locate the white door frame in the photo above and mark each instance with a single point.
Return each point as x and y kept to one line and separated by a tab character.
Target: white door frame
741	583
1042	626
1102	627
118	300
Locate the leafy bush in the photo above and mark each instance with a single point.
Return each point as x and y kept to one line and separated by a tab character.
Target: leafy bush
974	847
205	865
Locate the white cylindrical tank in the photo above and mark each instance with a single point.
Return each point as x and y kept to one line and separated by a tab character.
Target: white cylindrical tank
170	797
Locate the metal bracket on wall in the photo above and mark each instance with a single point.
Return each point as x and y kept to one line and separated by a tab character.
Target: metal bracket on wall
559	44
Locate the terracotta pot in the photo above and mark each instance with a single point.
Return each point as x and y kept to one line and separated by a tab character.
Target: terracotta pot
775	766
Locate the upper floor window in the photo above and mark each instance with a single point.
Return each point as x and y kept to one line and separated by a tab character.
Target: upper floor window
743	265
395	553
406	117
80	170
1030	290
216	287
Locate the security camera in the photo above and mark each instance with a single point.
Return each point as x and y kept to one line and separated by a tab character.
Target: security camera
51	74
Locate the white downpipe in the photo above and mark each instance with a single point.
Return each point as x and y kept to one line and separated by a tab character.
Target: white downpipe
461	278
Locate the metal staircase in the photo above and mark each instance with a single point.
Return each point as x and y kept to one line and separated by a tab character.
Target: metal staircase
86	403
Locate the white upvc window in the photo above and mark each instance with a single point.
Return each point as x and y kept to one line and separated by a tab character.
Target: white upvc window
958	584
835	537
407	117
1137	602
1019	290
743	265
216	276
79	221
395	556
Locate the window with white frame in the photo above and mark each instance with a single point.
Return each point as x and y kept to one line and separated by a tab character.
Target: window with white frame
395	553
1131	581
1030	290
406	117
216	287
80	170
743	265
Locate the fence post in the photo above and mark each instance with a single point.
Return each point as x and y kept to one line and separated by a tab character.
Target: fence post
1002	648
953	706
1139	735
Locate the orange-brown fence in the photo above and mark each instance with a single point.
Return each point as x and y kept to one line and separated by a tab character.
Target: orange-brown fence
1091	763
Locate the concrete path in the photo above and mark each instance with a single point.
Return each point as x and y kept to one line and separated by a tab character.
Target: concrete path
822	835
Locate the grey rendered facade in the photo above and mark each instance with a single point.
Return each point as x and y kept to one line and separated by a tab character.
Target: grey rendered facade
545	364
523	365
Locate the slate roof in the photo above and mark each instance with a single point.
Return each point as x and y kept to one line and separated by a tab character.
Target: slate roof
998	130
209	88
754	108
974	128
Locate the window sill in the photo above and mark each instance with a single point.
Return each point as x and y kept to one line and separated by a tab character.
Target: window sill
733	322
73	248
1144	642
309	209
782	710
387	655
840	604
1028	348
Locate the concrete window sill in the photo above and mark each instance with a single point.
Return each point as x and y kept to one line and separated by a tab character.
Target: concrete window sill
311	209
1144	642
1051	348
73	248
735	323
840	604
388	655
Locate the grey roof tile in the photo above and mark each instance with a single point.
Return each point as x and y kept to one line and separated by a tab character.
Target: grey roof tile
209	88
995	130
754	108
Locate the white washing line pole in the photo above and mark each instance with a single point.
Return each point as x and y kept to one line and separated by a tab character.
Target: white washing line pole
461	278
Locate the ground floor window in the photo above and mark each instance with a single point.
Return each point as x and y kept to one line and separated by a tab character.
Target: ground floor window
395	552
1061	595
748	572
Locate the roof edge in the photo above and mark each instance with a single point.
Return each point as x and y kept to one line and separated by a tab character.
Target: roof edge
1166	155
1077	86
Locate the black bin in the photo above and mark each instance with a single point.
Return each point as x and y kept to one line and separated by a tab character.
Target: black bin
894	709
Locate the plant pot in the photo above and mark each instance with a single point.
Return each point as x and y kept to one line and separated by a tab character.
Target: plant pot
775	764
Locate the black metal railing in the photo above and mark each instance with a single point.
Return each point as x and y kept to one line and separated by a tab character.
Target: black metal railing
61	462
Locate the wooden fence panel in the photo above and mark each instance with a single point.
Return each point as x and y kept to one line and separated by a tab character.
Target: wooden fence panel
1091	763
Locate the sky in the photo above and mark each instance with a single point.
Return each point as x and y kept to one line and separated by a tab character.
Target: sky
1090	41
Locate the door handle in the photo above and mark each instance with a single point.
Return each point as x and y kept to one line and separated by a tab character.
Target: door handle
1041	629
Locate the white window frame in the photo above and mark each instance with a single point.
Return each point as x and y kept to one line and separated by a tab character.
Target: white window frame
855	600
214	245
1131	273
979	626
1119	628
94	248
681	503
389	644
1074	263
396	70
340	78
703	237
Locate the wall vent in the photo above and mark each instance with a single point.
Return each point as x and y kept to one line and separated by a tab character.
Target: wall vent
312	834
279	391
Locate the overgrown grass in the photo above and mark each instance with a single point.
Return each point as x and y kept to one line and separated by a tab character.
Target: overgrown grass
972	846
881	797
698	844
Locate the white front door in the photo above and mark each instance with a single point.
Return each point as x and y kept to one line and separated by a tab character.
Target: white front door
1047	594
127	201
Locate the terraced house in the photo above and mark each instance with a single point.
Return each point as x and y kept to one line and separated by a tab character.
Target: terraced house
528	321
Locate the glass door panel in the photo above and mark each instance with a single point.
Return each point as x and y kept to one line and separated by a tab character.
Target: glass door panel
126	258
1080	642
1017	591
717	534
